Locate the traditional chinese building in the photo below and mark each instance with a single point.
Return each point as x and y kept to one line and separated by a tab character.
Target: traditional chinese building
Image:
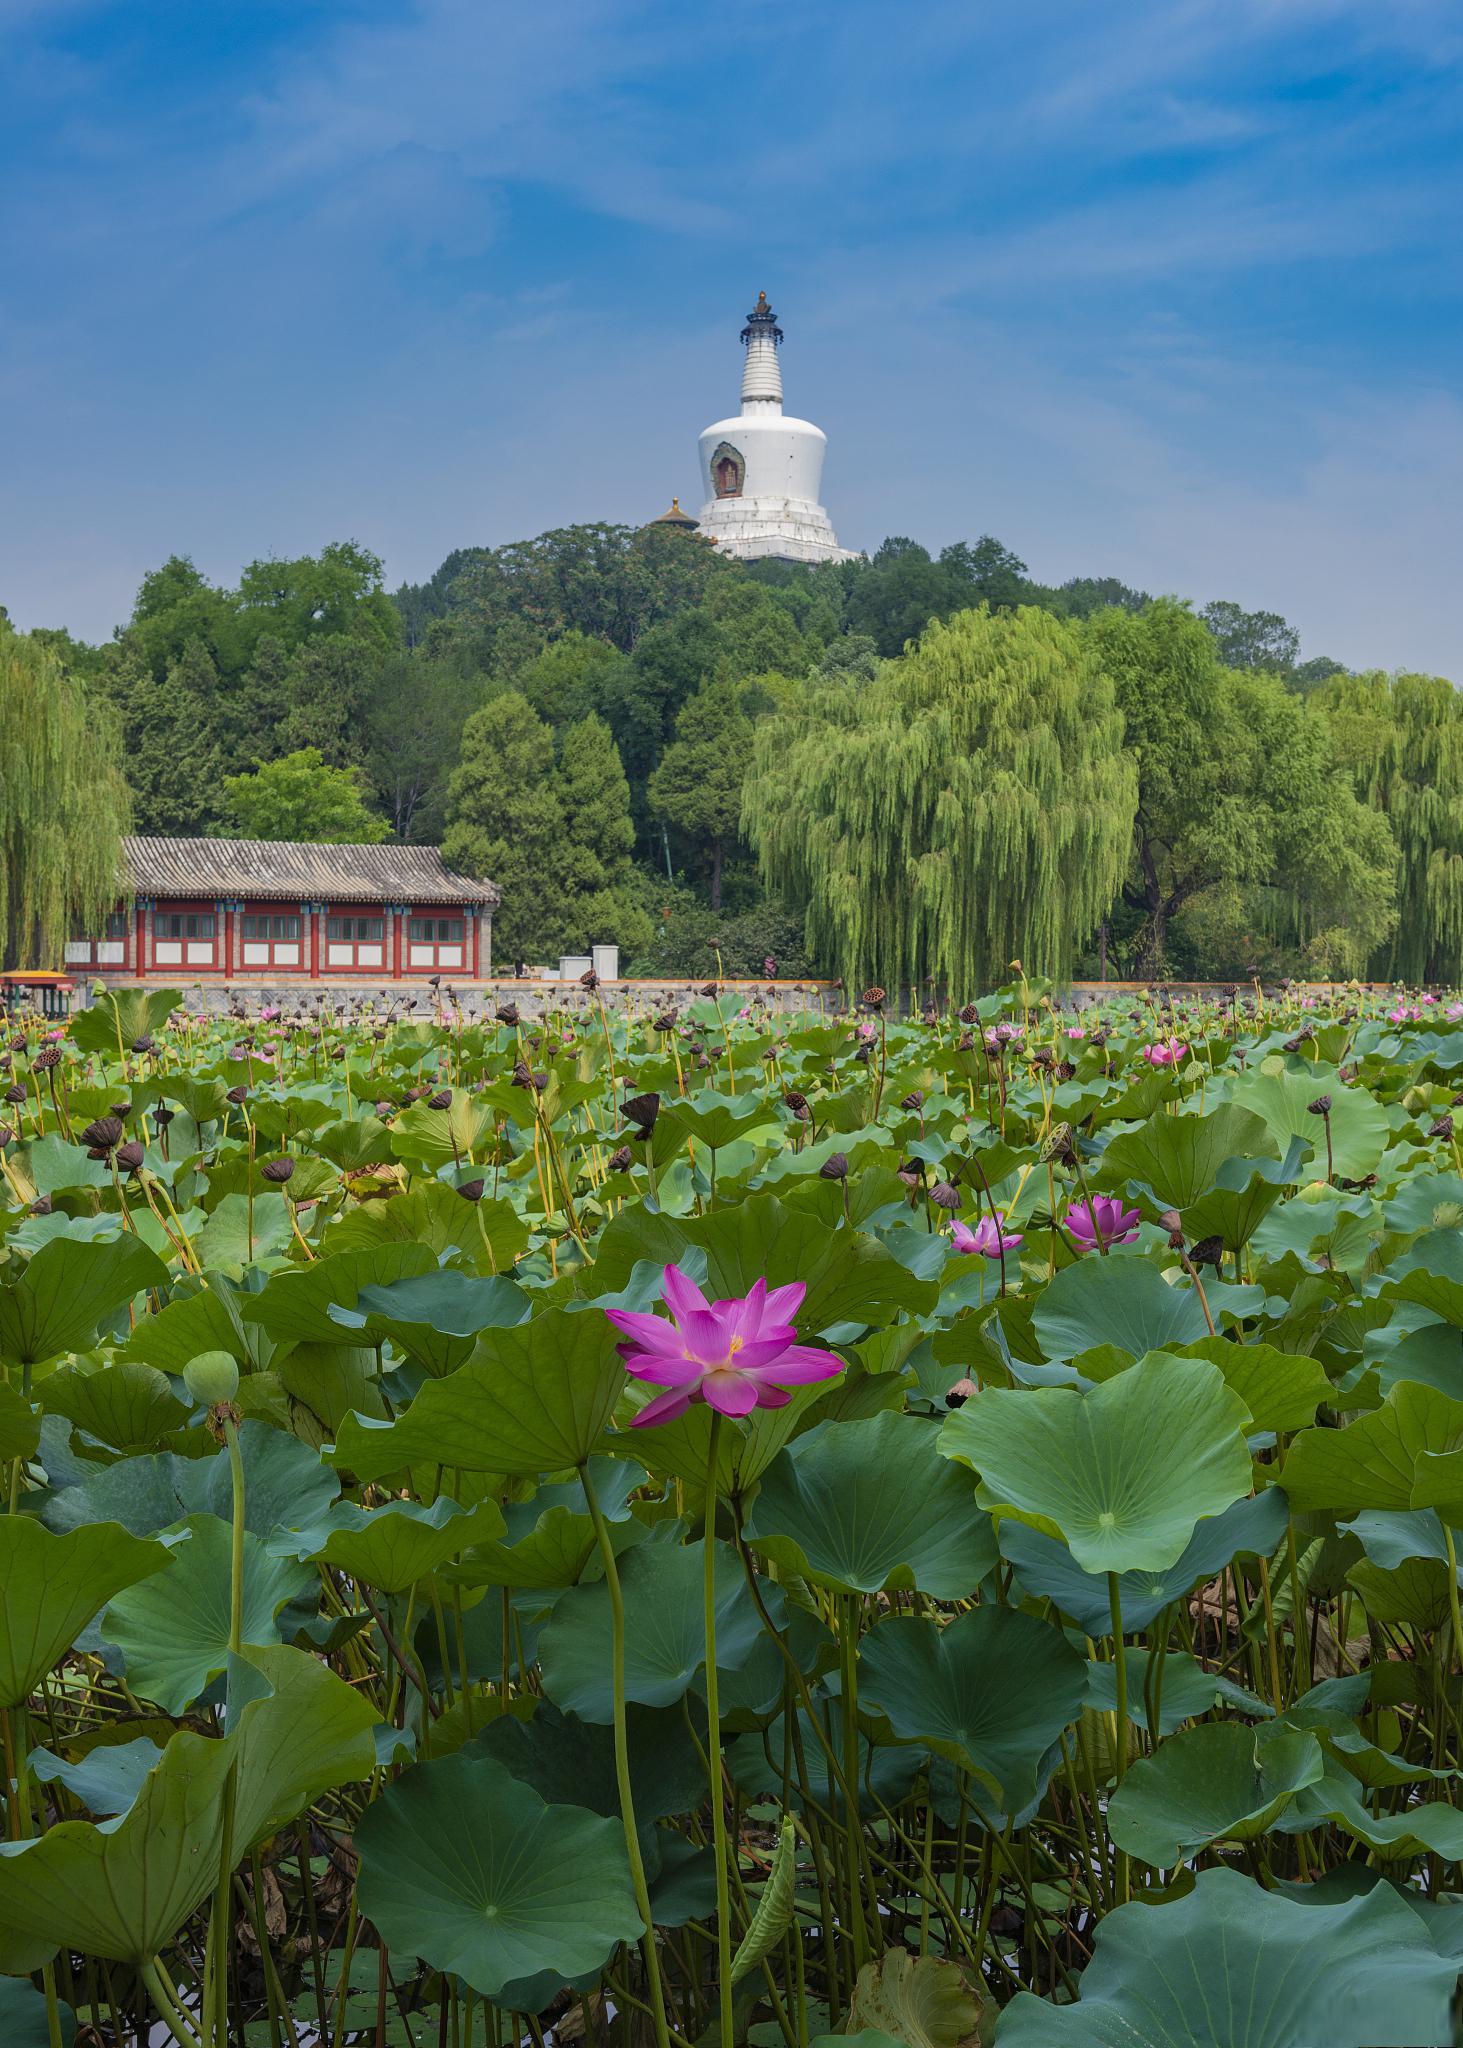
259	910
762	472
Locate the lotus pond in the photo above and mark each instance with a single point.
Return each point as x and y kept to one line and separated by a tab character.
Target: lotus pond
733	1526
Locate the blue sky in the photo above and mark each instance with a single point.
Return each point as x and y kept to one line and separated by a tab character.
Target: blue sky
1167	289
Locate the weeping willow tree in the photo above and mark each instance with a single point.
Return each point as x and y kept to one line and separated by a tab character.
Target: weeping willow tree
969	806
64	805
1402	738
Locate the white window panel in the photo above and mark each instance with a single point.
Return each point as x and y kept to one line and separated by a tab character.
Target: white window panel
368	956
111	952
78	949
167	953
423	956
341	956
200	952
255	954
286	954
449	956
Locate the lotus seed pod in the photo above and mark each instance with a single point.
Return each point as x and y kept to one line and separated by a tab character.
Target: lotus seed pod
211	1377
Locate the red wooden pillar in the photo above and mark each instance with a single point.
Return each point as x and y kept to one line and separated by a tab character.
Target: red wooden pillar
141	964
316	913
475	919
398	942
228	942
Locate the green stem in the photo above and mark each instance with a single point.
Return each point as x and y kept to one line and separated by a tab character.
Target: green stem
1120	1683
713	1744
622	1756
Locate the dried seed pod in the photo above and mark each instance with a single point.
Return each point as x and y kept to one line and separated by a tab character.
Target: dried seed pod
619	1161
441	1100
103	1135
130	1156
835	1168
277	1171
945	1195
642	1111
471	1190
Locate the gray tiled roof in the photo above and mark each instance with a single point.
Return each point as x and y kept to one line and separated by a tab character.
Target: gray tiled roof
290	868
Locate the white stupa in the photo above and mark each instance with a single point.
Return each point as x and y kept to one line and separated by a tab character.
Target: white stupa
761	473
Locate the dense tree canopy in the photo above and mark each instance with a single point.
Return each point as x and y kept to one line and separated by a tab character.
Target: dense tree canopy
971	806
300	797
1290	817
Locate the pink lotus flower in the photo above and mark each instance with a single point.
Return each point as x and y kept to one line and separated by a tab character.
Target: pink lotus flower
1166	1053
734	1355
1076	1031
1455	1011
988	1238
1103	1217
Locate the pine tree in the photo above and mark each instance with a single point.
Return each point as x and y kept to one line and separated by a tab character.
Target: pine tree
698	785
506	820
65	805
175	762
970	806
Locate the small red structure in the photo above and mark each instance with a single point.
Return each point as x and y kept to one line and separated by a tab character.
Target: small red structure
274	910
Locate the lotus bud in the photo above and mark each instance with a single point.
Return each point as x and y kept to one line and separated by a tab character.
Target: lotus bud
211	1378
960	1393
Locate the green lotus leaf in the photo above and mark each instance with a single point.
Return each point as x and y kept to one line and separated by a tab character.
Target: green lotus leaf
869	1506
1180	1688
123	1889
1122	1475
1047	1568
23	2019
52	1585
1231	1965
1390	1458
106	1779
1358	1121
1122	1300
1218	1782
284	1482
549	1540
1281	1391
434	1317
68	1290
665	1634
1430	1272
438	1137
174	1633
1179	1157
120	1016
20	1424
466	1867
571	1762
535	1399
490	1234
296	1304
392	1546
129	1407
232	1239
991	1690
715	1120
206	1321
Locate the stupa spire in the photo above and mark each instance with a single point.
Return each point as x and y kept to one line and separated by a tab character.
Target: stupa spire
761	373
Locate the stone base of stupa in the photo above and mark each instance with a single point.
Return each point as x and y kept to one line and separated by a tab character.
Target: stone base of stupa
779	529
